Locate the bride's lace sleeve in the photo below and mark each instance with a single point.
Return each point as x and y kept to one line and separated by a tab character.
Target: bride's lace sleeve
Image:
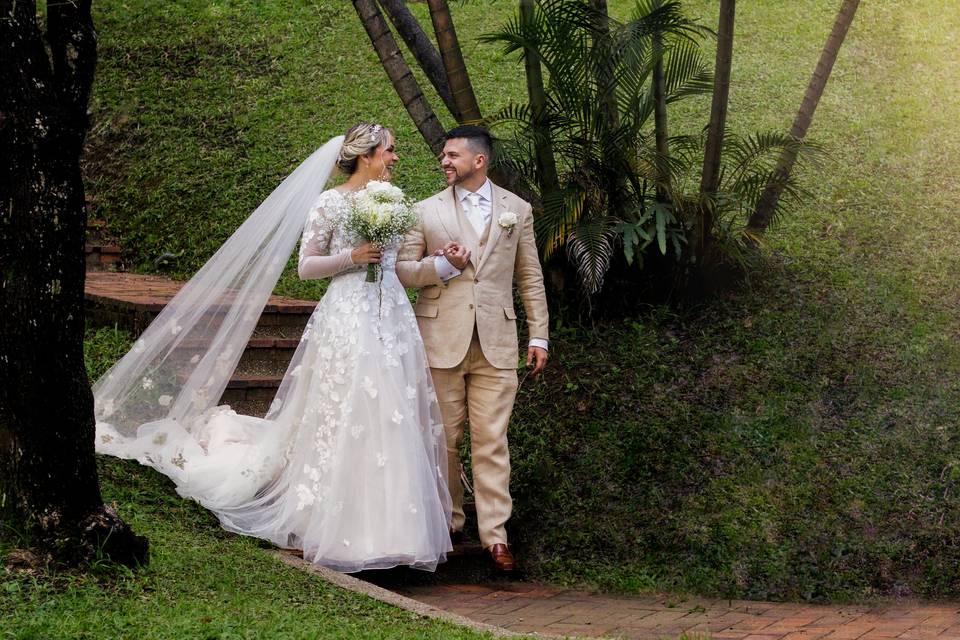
315	260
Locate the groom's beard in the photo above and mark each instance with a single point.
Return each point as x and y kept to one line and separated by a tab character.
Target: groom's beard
456	177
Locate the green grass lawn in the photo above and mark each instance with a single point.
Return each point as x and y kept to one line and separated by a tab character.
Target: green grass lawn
201	582
794	439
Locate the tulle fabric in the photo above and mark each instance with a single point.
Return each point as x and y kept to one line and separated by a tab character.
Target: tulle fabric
348	464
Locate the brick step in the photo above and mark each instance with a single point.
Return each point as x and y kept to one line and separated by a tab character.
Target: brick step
250	395
96	231
266	356
100	257
261	358
132	301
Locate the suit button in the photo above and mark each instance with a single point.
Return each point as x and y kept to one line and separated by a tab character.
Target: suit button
470	306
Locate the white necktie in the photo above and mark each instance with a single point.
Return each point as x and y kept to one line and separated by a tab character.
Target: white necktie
475	213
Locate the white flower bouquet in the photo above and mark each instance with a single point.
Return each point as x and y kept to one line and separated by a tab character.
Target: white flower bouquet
380	214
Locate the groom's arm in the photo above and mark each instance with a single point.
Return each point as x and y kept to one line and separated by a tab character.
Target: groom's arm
415	268
529	279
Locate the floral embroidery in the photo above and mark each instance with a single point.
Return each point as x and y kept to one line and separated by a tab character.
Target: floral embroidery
304	496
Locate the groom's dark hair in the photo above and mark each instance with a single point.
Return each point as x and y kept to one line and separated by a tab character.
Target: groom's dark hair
478	138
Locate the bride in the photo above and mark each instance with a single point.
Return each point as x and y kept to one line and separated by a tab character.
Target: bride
346	465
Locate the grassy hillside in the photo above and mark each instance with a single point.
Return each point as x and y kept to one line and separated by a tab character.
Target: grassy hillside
201	582
796	439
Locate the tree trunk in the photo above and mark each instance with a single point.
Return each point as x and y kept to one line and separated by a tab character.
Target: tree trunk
422	48
457	76
537	95
400	75
660	119
48	475
763	214
710	177
606	81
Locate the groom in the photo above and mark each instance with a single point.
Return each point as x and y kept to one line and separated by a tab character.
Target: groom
474	241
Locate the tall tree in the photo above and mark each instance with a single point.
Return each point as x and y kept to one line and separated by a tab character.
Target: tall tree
605	71
537	96
48	473
422	49
658	80
769	202
457	76
400	75
710	175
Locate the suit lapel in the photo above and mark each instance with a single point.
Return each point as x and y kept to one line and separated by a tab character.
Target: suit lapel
447	213
498	206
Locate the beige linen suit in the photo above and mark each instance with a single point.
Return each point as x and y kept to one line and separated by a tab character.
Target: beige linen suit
469	330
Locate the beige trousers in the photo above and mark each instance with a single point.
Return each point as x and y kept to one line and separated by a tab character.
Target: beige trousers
478	391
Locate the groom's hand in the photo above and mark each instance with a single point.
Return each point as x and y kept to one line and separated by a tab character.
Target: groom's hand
538	358
458	256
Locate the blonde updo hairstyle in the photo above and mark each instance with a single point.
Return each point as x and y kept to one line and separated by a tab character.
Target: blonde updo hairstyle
361	140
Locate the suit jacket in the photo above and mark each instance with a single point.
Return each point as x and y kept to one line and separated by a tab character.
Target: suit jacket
482	295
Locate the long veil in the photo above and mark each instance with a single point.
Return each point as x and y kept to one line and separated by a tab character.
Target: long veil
177	370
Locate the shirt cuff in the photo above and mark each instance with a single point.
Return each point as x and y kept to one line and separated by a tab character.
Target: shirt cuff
540	342
445	270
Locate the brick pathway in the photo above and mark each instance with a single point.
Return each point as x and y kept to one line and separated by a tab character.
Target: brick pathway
528	608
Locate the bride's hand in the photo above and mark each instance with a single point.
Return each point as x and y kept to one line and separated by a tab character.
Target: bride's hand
448	248
365	254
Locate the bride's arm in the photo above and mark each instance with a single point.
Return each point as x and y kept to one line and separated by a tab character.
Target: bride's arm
315	259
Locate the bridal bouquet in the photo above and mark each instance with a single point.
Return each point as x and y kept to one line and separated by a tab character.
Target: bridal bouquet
381	215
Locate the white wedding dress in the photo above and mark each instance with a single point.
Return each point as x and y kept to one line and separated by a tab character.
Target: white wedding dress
349	463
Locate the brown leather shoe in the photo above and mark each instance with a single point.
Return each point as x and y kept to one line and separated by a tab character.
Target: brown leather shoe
502	558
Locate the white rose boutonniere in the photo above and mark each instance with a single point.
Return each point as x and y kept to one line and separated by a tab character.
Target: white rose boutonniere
507	221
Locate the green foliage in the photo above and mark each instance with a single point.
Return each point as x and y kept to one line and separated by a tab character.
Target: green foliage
598	102
201	582
616	189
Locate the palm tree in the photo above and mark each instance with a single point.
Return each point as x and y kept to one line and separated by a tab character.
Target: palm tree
710	176
537	96
607	166
661	132
459	80
400	75
769	204
422	49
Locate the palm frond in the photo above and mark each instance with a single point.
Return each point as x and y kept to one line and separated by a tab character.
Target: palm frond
590	248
